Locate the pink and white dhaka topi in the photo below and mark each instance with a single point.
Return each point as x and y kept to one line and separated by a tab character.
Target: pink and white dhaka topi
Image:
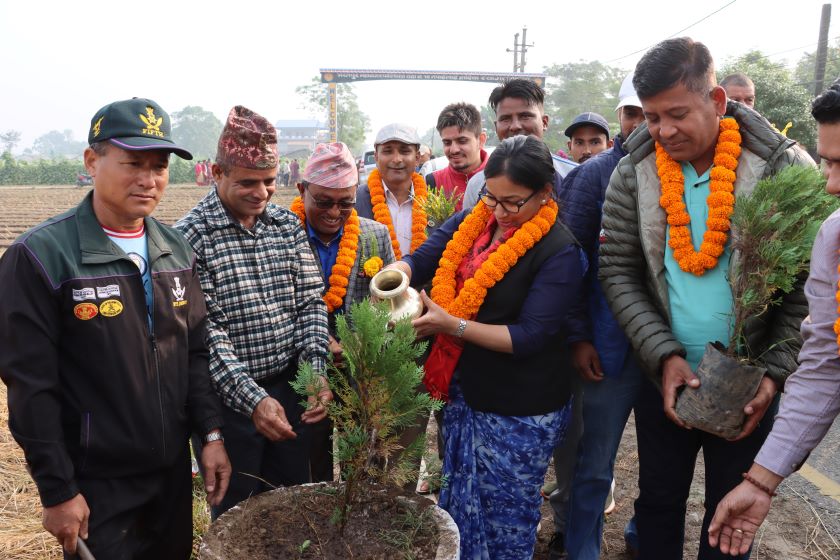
331	166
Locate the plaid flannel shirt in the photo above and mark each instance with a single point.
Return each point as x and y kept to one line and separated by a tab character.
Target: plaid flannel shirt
263	292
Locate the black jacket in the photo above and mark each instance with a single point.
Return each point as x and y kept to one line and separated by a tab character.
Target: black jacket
93	393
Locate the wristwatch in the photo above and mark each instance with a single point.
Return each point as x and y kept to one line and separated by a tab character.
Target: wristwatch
215	435
462	326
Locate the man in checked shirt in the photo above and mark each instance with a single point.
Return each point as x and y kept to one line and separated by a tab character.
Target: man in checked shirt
265	313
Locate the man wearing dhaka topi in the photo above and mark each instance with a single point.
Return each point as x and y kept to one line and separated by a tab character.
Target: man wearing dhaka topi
265	311
348	250
671	295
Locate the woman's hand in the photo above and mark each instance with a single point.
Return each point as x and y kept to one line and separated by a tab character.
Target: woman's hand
435	320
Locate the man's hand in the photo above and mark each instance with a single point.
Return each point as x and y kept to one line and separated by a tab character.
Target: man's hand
337	352
741	512
756	408
586	361
68	521
270	419
435	320
675	373
217	471
317	407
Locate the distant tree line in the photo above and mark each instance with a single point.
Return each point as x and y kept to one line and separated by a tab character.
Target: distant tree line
783	95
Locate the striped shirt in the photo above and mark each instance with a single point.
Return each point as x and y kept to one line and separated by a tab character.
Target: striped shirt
263	292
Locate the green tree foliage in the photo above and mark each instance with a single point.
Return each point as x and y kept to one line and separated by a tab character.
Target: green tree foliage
181	170
773	232
777	95
61	171
431	138
197	130
9	140
804	71
376	398
353	123
488	123
55	144
577	87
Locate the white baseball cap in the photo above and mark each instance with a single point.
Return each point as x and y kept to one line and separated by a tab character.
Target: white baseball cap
627	93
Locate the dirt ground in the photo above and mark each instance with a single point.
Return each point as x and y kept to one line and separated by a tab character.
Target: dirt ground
798	526
794	530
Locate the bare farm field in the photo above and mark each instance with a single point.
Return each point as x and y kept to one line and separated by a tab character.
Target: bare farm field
803	524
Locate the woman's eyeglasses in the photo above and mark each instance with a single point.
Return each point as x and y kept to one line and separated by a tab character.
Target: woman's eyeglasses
509	207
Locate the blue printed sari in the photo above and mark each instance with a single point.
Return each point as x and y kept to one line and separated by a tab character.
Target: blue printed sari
495	466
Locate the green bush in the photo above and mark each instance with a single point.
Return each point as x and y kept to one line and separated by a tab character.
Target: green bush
63	171
38	172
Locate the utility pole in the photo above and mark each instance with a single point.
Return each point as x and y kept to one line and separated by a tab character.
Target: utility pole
515	52
519	50
822	50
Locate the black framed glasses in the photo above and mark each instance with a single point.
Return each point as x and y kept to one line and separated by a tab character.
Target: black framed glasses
343	205
509	207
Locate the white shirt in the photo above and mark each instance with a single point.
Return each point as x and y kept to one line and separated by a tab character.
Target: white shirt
400	217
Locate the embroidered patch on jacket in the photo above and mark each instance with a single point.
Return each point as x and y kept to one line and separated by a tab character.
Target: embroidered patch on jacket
178	292
85	311
110	308
84	294
109	291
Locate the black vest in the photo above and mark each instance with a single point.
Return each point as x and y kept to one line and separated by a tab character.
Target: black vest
501	383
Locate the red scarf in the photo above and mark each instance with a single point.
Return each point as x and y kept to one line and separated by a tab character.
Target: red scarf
446	349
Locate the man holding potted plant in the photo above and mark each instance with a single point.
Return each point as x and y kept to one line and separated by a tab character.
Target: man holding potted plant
664	266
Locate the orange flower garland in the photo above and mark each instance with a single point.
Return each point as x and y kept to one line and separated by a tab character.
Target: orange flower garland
466	303
382	215
347	249
721	202
837	322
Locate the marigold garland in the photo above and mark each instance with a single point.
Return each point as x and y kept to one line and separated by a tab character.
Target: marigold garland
466	303
721	202
382	215
837	322
347	249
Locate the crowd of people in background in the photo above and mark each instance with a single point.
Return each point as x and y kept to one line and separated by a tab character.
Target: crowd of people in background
560	299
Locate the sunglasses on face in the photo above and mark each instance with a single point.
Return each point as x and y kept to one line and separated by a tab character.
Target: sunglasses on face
343	205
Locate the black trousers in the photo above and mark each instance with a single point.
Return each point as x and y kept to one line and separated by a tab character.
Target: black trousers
320	451
667	456
139	517
260	464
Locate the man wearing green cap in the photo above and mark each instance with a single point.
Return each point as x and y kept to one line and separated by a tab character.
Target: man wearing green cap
102	324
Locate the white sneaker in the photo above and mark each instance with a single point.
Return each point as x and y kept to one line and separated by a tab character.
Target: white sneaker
610	507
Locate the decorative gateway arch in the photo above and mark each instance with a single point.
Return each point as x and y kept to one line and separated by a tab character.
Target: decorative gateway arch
334	76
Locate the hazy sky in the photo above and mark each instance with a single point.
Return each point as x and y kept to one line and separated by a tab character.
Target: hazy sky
62	60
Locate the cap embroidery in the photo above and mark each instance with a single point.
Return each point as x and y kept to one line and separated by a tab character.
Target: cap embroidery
152	122
97	125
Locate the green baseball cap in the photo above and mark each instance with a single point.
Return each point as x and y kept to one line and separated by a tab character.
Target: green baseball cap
135	124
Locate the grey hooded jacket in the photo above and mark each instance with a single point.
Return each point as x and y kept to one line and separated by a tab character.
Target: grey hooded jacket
632	251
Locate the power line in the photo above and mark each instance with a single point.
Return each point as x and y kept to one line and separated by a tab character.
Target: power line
704	18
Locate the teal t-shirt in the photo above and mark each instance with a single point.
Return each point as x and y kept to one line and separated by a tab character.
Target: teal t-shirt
701	306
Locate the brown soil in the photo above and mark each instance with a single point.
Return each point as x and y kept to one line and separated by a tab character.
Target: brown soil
384	525
792	531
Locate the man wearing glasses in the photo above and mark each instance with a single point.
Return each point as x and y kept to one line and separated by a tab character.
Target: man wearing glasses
327	207
263	291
